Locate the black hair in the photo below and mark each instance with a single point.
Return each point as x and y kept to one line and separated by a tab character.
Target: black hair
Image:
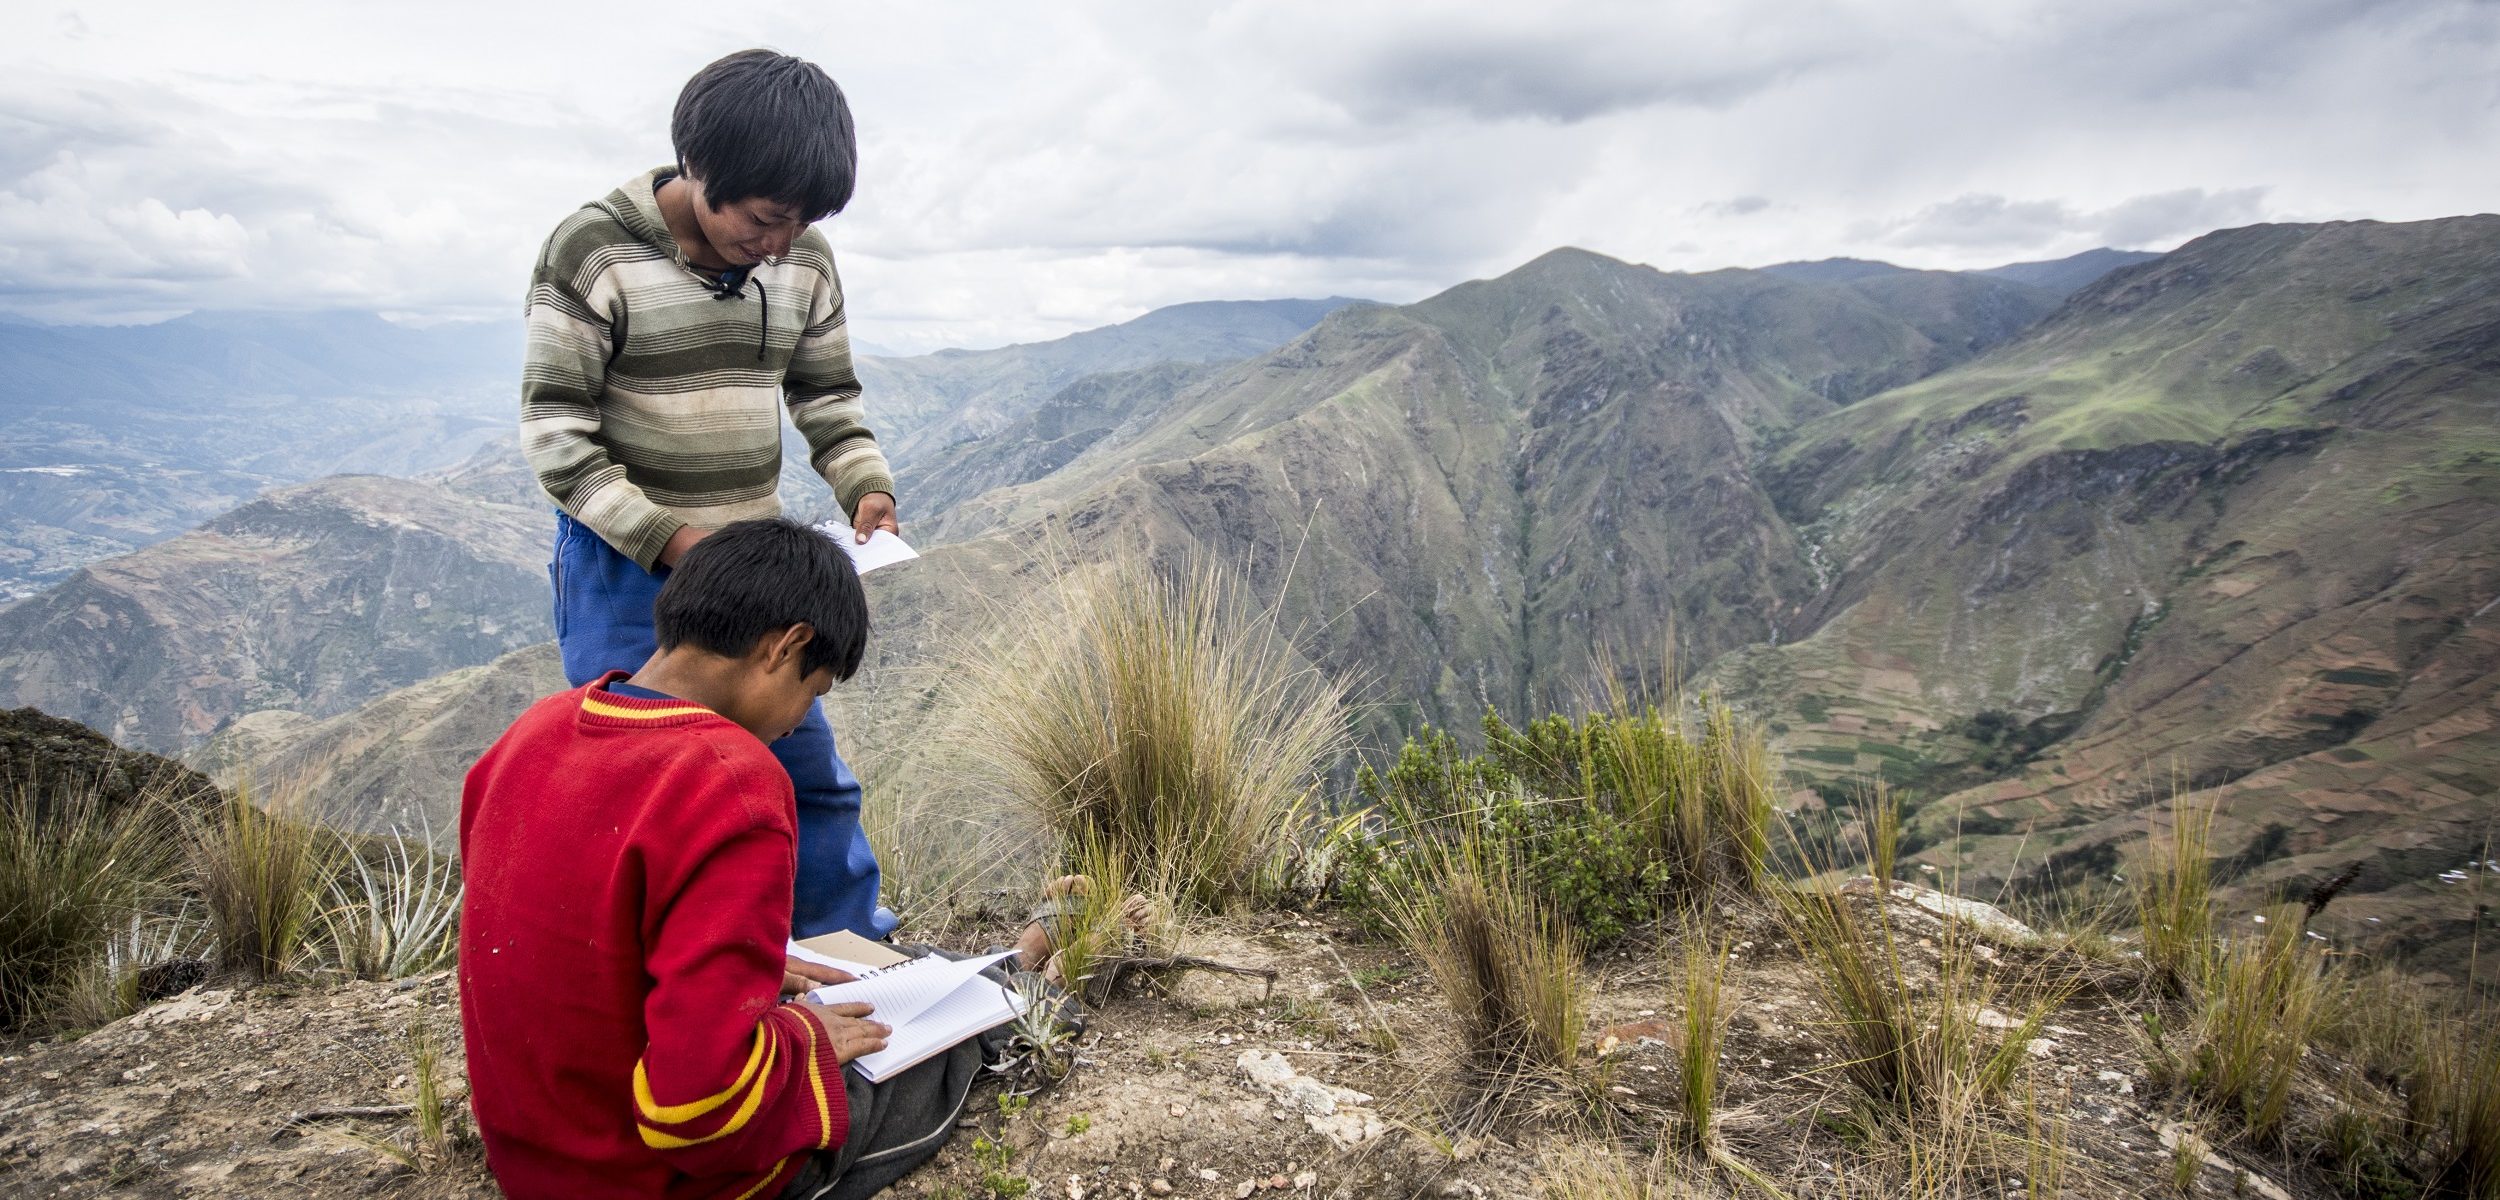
752	579
759	123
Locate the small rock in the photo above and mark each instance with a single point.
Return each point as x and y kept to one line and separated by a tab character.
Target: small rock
1242	1190
1279	1182
2042	1047
1177	1110
1989	1018
1208	1174
1633	1031
1159	1186
1306	1180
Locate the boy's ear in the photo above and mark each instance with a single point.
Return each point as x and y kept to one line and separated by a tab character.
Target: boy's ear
785	648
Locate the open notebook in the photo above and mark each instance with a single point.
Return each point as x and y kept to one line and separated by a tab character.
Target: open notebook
931	1002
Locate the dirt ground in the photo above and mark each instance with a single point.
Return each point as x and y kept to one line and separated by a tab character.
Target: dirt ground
1195	1084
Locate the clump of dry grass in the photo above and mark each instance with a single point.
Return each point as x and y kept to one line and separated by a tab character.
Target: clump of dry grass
257	873
2456	1094
1509	969
2174	900
1699	791
148	958
1164	715
72	869
1707	1005
1927	1056
1113	918
2266	999
1909	1035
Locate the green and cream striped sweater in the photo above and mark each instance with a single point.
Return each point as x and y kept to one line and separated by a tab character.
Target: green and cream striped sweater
648	403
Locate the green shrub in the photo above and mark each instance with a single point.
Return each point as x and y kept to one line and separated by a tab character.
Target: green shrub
1611	820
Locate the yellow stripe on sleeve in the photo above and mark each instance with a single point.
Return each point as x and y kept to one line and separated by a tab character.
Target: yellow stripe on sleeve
824	1111
769	1176
679	1114
737	1120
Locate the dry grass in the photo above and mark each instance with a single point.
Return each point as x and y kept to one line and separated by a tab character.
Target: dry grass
72	870
1699	790
1924	1051
112	985
1093	939
258	873
1509	970
2266	999
2457	1093
1707	1006
432	1143
2174	900
1167	717
1600	1173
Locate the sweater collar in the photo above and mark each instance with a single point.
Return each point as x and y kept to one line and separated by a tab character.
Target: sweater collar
602	707
636	206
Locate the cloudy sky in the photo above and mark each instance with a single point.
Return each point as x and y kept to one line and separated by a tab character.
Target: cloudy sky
1029	169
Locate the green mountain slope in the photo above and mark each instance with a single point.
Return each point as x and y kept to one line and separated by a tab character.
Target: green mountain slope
2227	518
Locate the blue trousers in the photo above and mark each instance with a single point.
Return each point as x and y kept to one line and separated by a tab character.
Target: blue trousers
603	624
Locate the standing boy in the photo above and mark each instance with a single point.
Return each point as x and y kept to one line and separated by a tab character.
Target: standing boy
669	324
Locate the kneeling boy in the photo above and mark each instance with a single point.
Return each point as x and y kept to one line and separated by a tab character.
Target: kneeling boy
628	848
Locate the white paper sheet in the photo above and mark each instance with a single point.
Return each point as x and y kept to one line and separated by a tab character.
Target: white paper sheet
900	993
882	550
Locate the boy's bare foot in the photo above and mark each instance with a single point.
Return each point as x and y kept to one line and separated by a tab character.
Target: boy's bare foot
1139	914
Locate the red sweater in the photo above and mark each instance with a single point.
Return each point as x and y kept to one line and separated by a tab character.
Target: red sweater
629	865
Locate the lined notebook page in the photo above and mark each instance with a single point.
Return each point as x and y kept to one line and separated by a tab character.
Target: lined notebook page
977	1005
900	993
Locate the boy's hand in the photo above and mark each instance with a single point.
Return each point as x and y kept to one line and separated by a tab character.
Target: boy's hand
848	1029
799	975
874	512
680	542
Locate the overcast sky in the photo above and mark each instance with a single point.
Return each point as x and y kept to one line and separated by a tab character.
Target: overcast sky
1030	169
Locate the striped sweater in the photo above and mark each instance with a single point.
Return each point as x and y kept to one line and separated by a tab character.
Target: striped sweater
648	403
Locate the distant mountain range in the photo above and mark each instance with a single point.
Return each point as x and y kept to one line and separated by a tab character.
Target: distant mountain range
116	437
2039	545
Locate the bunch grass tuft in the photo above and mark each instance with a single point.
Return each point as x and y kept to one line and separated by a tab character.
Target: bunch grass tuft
1162	715
258	872
73	868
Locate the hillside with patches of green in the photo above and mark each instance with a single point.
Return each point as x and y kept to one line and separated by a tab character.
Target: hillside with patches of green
2226	520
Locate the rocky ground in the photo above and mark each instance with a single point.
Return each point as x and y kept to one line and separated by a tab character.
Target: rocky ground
1335	1082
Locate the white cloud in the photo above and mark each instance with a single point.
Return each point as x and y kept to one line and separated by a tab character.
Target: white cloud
1028	170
